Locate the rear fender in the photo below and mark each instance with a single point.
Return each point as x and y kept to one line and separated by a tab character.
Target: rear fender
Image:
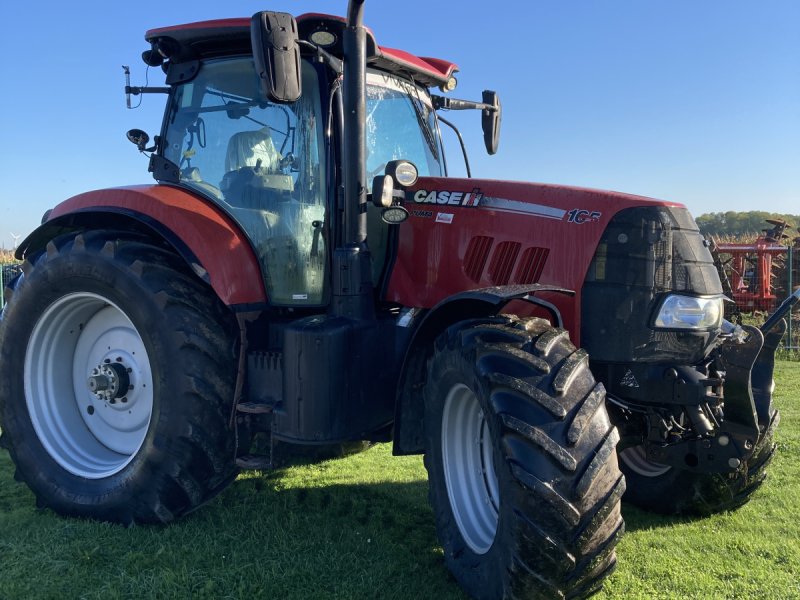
211	243
487	302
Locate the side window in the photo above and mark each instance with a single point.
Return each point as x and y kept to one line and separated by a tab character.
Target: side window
263	164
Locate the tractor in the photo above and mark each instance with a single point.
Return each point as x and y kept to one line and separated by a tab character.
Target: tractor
305	274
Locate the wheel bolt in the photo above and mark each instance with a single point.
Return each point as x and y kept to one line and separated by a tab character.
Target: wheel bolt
108	360
90	409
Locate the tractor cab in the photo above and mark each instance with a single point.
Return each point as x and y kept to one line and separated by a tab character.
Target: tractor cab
271	165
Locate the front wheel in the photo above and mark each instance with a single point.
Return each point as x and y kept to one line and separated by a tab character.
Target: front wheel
118	381
669	490
521	459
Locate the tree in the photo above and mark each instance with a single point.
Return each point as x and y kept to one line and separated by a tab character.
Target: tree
750	224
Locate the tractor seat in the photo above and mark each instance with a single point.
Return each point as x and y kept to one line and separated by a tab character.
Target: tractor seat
247	148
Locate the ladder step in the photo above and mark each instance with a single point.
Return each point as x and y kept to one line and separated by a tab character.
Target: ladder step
254	462
255	407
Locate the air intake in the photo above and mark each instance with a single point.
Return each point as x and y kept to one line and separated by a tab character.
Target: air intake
475	258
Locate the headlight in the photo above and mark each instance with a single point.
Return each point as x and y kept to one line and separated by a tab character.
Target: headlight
689	312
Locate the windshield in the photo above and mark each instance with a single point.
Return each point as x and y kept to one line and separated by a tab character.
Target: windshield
263	164
400	125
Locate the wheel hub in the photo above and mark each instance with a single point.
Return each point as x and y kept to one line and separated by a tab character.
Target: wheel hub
110	381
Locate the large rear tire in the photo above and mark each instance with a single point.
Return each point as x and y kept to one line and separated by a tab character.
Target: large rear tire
118	381
521	459
668	490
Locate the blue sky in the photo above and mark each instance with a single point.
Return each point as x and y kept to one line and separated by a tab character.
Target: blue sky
695	101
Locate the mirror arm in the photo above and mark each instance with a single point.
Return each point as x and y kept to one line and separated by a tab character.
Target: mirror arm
323	56
136	90
460	141
444	103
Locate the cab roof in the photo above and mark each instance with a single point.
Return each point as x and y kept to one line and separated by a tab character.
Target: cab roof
225	37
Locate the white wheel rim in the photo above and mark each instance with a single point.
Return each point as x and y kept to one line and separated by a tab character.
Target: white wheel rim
88	434
467	456
635	458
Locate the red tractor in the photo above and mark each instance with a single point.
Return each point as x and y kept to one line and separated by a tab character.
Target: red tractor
304	273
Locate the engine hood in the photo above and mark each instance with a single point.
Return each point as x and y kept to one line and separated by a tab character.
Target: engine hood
475	233
549	201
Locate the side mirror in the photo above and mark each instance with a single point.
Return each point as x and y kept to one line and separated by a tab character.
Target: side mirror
276	52
490	121
139	138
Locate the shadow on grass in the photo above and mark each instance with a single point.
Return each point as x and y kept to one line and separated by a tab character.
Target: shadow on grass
637	519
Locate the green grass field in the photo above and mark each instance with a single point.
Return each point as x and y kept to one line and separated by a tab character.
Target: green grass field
361	527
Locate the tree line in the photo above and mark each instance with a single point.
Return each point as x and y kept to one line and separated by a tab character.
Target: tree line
750	224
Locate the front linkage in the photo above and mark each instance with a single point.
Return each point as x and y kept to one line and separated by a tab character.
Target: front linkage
697	438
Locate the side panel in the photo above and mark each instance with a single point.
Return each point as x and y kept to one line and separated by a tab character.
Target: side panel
220	247
468	233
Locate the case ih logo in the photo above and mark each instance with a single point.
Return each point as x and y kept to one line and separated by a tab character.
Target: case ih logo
443	197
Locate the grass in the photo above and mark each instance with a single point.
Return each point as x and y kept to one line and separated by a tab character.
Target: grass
361	527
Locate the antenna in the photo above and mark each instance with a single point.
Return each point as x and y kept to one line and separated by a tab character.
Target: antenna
15	237
127	72
136	90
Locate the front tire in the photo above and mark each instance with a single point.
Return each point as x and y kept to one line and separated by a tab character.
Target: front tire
671	491
521	459
118	381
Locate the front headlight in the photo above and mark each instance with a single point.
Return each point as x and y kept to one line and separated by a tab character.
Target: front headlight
689	312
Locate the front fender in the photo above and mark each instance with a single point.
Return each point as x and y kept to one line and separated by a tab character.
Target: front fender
212	244
472	304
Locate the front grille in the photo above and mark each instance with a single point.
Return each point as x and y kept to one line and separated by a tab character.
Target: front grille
643	254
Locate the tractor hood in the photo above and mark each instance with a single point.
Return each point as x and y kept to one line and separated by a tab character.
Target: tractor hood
482	233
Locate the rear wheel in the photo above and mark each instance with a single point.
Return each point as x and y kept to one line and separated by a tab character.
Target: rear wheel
119	371
668	490
521	460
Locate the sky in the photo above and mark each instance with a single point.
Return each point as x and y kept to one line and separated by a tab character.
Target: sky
692	101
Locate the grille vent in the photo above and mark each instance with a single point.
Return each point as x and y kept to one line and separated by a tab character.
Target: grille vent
503	262
526	266
531	265
475	258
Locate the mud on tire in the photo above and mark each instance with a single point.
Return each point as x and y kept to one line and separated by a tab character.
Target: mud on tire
520	452
147	438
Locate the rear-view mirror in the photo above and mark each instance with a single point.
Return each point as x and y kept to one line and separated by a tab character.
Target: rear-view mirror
490	121
276	52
